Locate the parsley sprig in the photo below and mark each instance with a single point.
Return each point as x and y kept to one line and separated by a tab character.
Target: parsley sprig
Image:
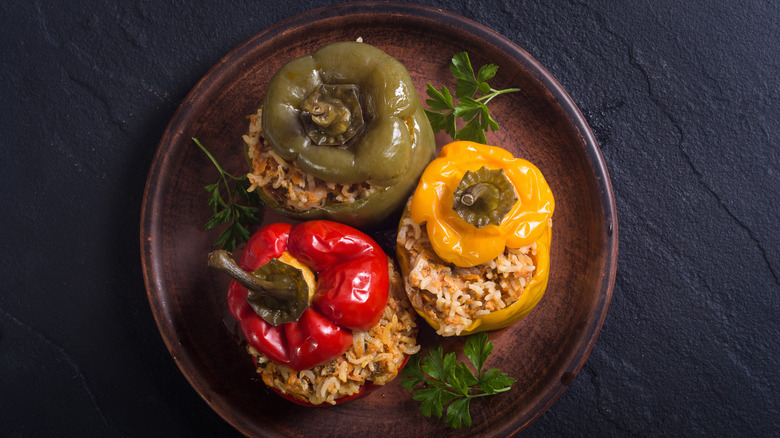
227	210
443	112
436	380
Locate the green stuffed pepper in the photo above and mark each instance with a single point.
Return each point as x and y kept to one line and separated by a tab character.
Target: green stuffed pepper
341	135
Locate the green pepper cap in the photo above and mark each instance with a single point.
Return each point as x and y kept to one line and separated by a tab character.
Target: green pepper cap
484	197
278	292
342	114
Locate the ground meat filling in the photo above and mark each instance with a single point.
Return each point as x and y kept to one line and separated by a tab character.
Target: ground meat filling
455	296
286	182
375	355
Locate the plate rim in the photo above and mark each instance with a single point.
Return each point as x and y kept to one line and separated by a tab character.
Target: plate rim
154	185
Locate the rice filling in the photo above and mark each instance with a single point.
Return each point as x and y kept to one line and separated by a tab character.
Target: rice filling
375	356
455	296
287	183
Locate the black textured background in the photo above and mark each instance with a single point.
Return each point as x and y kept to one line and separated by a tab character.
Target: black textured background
683	97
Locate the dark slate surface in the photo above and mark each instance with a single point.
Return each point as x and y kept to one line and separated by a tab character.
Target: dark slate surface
684	99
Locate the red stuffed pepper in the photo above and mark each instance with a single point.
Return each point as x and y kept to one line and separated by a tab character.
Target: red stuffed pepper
320	306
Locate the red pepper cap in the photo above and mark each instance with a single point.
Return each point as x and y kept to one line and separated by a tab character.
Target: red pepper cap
352	291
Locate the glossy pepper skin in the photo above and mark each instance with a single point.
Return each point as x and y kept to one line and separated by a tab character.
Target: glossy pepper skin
461	243
391	149
351	293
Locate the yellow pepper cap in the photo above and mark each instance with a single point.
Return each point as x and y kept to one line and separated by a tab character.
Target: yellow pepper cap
457	241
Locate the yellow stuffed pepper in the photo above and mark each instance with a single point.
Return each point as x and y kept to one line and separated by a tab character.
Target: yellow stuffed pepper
474	241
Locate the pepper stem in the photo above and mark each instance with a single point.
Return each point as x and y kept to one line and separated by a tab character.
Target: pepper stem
485	193
332	114
277	291
484	197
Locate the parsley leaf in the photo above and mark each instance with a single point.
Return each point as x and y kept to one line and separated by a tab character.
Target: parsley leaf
442	384
472	110
227	210
458	413
441	113
477	351
494	381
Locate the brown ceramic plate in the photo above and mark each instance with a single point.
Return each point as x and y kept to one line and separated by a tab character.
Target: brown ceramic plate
543	352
